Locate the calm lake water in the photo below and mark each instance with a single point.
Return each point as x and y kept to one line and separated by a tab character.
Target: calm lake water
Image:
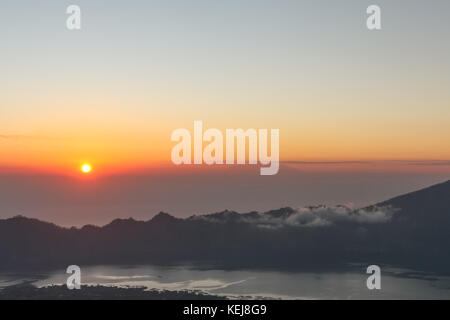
395	283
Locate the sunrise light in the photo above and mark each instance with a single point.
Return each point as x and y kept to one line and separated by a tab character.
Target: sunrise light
86	168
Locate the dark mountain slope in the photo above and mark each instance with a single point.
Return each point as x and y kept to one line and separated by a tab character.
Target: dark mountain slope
416	234
430	206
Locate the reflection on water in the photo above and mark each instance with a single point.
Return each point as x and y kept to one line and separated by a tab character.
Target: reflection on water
396	283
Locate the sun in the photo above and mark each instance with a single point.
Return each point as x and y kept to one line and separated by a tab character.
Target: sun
86	168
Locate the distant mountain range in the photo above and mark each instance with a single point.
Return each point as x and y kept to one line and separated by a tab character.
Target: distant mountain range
410	231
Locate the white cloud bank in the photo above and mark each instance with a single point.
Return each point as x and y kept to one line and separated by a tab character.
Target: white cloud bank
317	216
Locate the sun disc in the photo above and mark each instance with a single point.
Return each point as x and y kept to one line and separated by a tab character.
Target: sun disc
86	168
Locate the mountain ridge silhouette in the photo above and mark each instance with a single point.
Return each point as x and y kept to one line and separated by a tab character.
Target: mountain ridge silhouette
411	230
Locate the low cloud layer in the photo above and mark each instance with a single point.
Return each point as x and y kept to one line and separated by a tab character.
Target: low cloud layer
317	216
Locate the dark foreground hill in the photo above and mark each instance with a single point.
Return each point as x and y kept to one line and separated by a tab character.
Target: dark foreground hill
409	231
27	291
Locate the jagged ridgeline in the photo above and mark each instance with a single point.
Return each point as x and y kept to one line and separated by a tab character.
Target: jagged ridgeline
411	231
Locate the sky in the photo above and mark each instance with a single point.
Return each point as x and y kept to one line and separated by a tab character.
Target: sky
111	93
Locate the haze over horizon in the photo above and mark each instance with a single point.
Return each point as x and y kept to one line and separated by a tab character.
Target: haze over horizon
70	201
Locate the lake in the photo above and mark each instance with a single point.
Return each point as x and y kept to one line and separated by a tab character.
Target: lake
395	283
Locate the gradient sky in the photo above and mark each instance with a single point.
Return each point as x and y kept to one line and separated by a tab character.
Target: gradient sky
112	93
